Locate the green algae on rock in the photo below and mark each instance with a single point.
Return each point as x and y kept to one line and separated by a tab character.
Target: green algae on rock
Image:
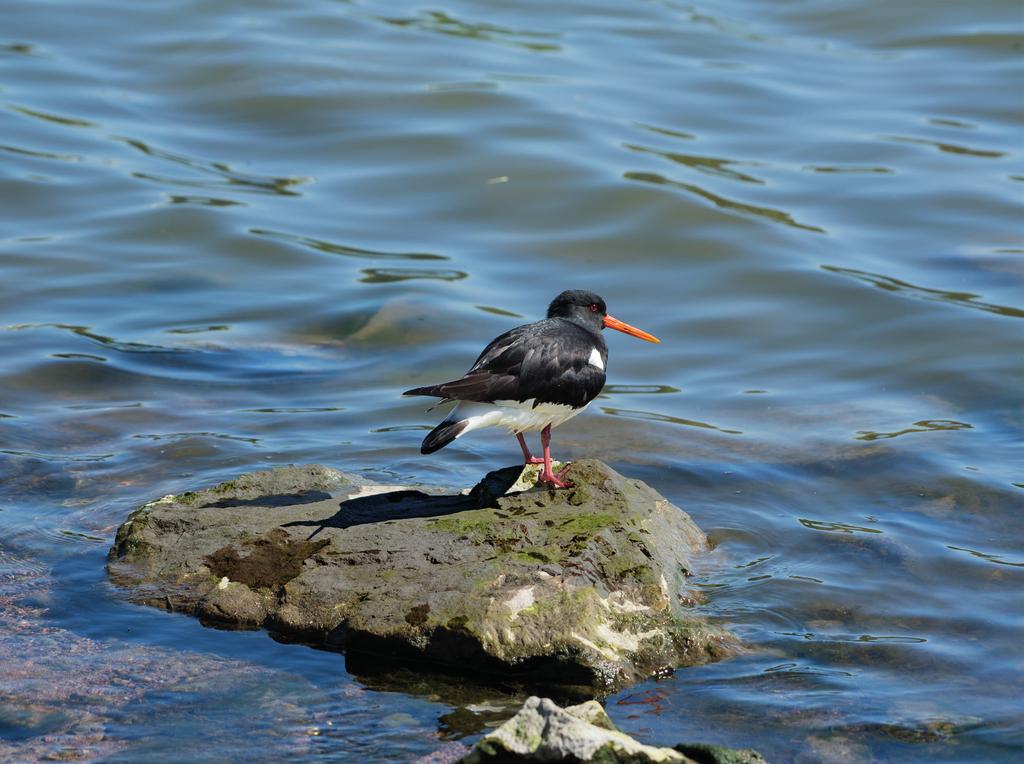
543	731
581	590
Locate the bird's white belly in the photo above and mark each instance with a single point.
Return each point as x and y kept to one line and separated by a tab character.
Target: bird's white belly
514	416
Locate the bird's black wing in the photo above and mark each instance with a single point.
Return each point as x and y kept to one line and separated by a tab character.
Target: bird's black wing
548	361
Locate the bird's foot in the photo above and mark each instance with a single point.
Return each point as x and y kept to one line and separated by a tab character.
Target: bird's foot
554	482
555	479
534	460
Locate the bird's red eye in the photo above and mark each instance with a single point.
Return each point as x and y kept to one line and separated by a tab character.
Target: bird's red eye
593	307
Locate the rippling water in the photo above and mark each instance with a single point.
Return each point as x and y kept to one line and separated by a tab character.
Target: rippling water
232	233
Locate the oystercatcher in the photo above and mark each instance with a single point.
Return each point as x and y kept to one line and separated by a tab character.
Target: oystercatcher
533	377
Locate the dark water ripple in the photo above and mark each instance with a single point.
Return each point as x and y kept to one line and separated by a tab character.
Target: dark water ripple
229	239
966	299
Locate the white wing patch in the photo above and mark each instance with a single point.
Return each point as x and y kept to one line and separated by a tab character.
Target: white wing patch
595	359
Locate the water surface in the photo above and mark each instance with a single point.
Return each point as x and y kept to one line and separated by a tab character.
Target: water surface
232	233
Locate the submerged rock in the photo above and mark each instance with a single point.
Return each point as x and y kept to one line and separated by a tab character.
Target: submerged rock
542	731
580	589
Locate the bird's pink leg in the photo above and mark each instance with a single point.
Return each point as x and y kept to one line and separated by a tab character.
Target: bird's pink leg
547	476
528	458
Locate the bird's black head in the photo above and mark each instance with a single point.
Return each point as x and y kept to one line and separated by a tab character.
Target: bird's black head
589	311
580	307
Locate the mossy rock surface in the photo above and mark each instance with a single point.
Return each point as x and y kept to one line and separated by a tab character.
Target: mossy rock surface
579	589
544	731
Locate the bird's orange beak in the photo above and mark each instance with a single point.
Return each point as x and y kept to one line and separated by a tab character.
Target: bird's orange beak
622	326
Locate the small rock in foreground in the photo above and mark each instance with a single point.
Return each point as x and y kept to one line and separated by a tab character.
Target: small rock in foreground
579	590
543	731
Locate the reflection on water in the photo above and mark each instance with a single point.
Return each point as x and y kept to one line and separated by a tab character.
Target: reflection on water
442	23
56	119
925	425
41	154
77	536
17	47
950	148
667	131
778	216
638	390
403	428
718	166
652	416
995	558
81	356
87	332
199	329
232	236
966	299
333	248
498	311
102	406
58	457
189	435
228	177
203	201
820	525
848	170
389	275
293	410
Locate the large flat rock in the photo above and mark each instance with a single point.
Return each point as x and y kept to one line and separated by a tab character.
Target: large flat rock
583	590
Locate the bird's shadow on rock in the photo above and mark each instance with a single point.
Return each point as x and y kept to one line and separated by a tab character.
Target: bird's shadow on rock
271	500
408	504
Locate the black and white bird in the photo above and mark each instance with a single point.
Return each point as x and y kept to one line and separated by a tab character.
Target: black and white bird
533	377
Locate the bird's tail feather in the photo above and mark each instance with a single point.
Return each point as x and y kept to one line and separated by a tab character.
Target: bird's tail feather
442	435
434	390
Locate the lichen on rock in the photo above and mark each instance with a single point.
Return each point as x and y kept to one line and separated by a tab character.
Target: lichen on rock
581	589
